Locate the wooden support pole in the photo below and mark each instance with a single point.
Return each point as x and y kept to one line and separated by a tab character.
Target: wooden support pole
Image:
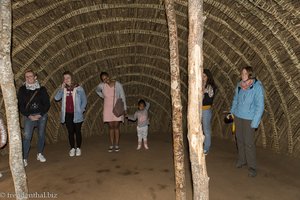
10	100
195	70
176	102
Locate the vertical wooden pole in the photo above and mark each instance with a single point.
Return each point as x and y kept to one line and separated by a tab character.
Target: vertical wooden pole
10	100
195	68
176	102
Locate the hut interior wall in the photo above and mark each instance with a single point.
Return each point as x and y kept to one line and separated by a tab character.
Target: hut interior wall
129	40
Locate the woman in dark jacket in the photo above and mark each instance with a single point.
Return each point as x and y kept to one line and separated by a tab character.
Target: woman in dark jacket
34	103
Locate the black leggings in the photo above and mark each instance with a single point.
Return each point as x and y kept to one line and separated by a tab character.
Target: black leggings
73	128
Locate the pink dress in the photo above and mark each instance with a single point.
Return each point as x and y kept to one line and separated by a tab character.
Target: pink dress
108	115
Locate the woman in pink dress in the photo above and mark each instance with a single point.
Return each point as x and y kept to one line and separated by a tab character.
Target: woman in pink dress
110	91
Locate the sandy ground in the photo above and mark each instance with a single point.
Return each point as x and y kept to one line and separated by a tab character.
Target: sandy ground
149	174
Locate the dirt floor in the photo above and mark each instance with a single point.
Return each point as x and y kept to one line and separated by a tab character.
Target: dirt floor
149	174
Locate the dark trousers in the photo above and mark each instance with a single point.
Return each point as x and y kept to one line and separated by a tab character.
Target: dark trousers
73	129
246	142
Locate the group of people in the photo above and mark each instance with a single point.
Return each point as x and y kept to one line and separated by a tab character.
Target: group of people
247	109
34	103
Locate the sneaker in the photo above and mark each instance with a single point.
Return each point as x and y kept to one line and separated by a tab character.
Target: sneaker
41	158
205	152
72	152
117	148
1	175
25	163
110	149
139	147
78	152
252	172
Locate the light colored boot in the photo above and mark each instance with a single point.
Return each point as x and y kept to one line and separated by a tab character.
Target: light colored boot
146	145
139	146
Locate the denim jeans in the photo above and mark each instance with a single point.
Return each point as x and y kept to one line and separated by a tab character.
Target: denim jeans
206	124
28	131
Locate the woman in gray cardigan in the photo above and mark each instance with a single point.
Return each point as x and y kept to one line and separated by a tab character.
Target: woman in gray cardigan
110	90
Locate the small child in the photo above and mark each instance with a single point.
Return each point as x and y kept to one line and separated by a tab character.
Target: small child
142	124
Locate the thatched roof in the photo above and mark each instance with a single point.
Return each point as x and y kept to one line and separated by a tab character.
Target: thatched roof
129	40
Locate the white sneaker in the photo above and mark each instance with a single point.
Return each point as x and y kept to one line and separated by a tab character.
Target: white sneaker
25	163
1	175
78	152
72	152
41	158
138	147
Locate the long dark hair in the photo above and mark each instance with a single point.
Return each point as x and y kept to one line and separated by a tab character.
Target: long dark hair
210	79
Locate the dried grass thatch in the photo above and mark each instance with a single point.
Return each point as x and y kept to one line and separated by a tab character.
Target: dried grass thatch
129	40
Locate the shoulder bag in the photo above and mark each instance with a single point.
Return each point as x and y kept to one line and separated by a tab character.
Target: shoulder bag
118	108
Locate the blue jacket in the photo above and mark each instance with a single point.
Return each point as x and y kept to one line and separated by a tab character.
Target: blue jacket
79	99
249	104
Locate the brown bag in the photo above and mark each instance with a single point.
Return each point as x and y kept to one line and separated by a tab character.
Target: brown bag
118	108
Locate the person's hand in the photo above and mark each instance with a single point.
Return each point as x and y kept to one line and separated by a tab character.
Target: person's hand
63	85
38	116
35	117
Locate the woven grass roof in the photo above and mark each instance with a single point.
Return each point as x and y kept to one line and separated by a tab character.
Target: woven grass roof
129	40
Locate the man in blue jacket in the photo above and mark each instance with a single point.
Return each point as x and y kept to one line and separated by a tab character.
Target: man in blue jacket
247	108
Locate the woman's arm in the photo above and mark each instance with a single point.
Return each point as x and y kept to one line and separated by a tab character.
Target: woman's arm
59	94
99	90
235	101
121	93
46	100
259	105
83	98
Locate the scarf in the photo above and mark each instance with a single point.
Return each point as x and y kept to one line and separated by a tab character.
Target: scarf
209	90
246	84
33	86
71	87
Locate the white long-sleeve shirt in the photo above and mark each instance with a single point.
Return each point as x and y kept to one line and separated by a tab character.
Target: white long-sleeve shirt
141	116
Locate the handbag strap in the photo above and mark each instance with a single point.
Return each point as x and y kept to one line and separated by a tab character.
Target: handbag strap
31	98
